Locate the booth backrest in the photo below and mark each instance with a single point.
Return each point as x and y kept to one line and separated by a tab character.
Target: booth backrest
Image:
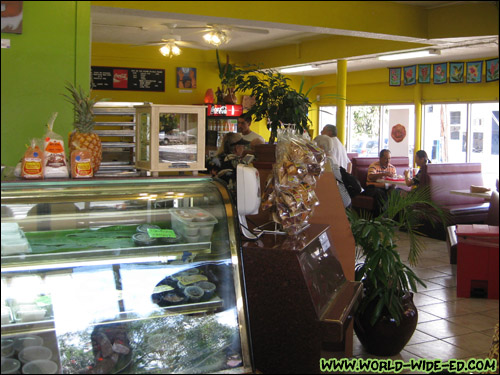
351	155
360	166
452	176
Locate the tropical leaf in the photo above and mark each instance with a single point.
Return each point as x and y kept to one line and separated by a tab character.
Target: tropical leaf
385	277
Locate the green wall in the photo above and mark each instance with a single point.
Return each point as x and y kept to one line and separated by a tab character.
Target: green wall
53	48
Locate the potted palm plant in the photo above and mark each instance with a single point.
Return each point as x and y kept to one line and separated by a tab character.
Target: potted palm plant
387	317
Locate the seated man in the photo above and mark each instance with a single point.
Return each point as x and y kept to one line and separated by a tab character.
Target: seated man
377	170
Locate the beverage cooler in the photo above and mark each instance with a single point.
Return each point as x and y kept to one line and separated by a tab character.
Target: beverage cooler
221	119
124	275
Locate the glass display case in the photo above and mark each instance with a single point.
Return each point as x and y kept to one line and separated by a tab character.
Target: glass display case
170	137
132	275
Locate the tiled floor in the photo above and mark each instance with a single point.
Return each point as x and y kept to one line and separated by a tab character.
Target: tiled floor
448	327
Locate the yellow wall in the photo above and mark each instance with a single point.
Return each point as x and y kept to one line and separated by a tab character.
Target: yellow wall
363	87
372	87
120	55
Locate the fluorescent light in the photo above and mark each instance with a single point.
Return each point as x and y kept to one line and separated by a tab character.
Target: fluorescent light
409	55
302	68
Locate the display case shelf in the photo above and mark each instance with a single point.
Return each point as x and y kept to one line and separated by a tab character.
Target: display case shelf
104	304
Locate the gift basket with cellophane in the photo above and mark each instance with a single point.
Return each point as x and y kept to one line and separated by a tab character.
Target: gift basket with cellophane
289	193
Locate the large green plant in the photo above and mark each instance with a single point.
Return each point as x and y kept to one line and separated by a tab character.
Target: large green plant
385	277
227	72
276	100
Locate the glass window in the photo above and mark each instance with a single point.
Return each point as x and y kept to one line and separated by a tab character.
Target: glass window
484	142
368	129
363	129
460	133
327	115
445	133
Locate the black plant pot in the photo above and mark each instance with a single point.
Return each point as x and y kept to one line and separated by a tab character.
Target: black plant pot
386	338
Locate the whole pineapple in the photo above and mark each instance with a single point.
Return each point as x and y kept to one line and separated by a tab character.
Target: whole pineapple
84	135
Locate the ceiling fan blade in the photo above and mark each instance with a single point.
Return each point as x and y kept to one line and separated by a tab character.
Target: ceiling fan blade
249	30
175	27
150	44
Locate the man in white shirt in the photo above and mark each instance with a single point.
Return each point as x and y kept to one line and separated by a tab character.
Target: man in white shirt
244	122
339	152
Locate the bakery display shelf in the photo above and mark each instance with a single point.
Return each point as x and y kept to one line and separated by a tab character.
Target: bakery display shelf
95	257
14	329
115	133
115	123
117	145
117	166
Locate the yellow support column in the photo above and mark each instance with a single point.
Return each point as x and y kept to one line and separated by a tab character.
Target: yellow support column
417	100
341	103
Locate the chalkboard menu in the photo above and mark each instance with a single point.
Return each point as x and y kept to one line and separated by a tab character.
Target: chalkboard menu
110	78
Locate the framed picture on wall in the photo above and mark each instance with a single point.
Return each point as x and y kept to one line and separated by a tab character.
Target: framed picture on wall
12	17
186	78
395	77
439	73
410	75
424	73
456	72
492	70
474	71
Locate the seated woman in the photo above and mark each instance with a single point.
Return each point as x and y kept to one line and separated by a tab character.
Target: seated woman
421	159
223	164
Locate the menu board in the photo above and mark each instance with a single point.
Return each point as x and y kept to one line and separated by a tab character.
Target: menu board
134	79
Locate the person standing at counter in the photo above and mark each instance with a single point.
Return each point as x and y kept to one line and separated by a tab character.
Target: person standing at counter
244	122
421	159
339	152
326	144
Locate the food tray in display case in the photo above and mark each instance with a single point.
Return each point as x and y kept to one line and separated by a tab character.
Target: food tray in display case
110	284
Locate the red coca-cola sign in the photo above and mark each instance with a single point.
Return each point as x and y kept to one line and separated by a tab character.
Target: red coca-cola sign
120	78
224	110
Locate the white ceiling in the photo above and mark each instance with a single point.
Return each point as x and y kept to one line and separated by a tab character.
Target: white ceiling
137	27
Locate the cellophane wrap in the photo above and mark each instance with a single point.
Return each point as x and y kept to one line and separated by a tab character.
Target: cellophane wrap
289	192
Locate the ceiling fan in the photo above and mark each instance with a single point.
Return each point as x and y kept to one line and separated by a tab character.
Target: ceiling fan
217	34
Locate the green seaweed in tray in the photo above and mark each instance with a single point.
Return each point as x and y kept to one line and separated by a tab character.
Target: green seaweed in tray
112	237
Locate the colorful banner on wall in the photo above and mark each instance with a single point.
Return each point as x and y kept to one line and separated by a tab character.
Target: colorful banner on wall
452	72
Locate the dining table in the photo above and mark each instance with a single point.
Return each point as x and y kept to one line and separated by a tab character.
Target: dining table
392	182
486	196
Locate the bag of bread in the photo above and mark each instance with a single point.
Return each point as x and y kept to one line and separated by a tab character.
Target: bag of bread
81	162
32	164
55	165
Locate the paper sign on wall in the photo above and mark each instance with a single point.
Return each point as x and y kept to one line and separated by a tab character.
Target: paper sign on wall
398	131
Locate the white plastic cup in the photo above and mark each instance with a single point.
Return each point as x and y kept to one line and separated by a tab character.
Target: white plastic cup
33	353
7	347
6	315
40	366
24	341
31	315
10	366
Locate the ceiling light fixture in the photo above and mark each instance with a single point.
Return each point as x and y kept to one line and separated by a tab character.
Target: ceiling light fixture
170	49
302	68
410	55
216	37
